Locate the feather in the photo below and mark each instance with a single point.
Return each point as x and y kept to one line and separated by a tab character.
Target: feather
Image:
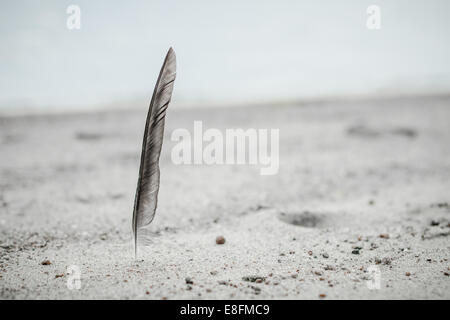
146	198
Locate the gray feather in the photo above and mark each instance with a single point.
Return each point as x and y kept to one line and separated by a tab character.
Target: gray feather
148	181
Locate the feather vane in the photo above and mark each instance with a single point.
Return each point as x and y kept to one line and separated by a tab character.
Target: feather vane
146	198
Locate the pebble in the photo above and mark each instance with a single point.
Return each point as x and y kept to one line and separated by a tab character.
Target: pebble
257	290
325	255
189	281
254	279
322	295
220	240
46	262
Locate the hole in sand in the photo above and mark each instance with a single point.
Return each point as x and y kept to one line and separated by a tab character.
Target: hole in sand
305	219
88	136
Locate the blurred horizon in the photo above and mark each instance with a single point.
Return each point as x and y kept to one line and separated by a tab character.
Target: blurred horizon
227	53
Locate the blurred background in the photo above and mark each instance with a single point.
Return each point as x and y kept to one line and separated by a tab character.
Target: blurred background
229	53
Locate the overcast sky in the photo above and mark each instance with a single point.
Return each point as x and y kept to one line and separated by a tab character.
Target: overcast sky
228	51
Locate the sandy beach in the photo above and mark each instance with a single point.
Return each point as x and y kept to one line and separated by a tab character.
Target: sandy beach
363	185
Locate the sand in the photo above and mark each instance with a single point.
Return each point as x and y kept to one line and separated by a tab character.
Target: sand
362	194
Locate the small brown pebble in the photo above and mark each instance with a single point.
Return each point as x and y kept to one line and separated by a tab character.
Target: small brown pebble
322	295
384	236
408	274
59	275
259	280
294	276
220	240
208	290
46	262
310	253
147	292
446	274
